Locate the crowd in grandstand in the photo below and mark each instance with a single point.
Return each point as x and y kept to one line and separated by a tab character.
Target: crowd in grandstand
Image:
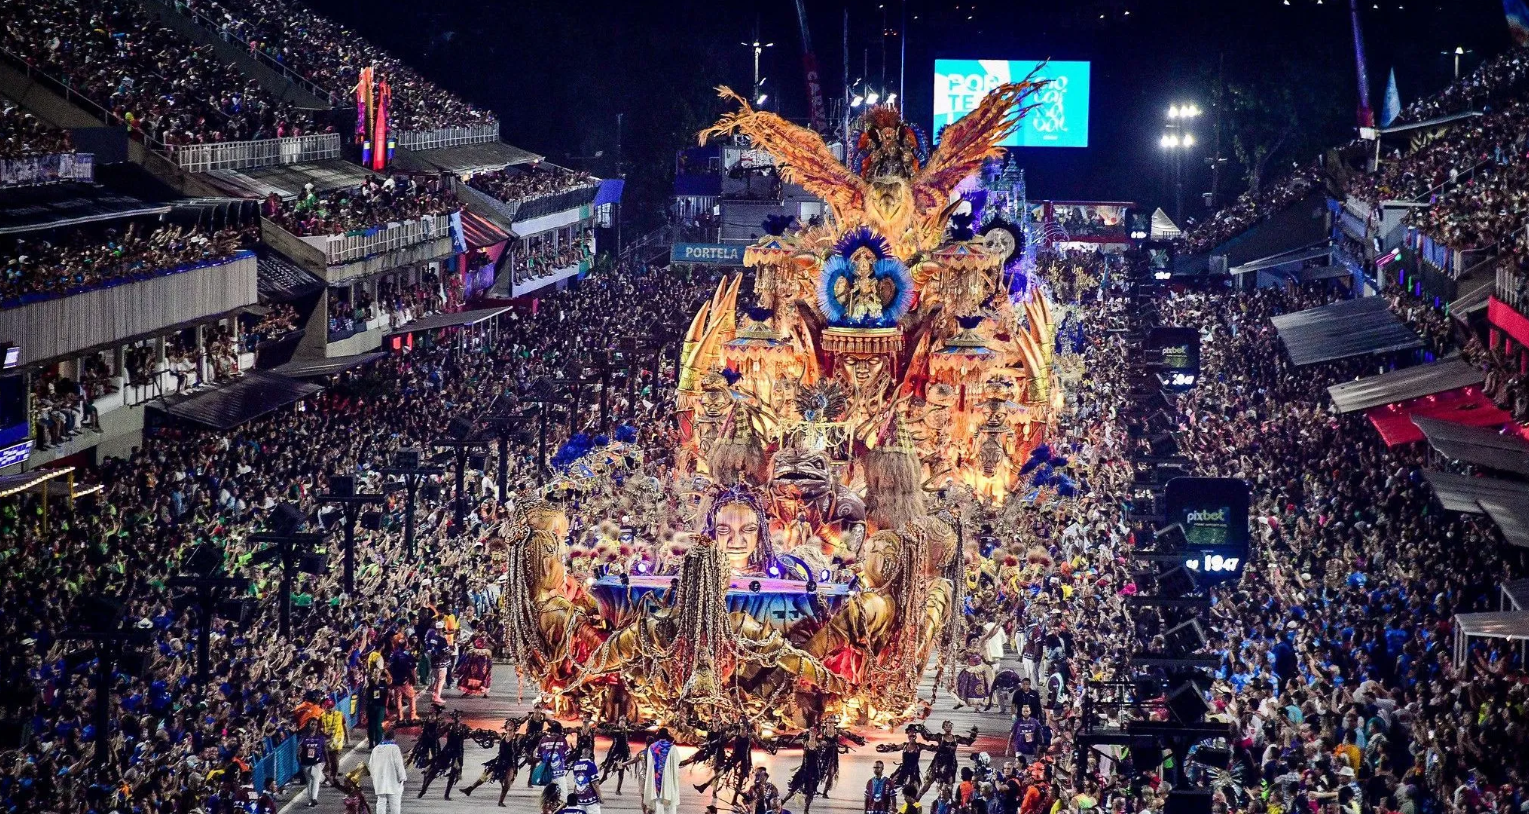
330	55
374	204
1484	155
143	75
527	183
279	319
26	135
82	260
177	742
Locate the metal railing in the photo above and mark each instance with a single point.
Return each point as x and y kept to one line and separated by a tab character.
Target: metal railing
348	247
448	137
75	97
258	55
1513	287
235	155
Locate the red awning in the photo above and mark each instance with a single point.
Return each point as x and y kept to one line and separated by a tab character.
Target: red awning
480	232
1465	405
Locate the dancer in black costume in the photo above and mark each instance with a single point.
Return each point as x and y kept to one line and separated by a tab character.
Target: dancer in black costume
620	752
808	776
422	756
908	771
503	766
536	724
836	739
943	767
448	760
584	740
713	752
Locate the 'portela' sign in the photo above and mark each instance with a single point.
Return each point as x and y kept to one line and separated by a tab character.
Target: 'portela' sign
711	254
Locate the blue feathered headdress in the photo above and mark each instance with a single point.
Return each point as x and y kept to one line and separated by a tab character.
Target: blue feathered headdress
887	267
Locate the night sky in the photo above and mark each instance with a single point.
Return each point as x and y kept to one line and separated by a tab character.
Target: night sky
557	73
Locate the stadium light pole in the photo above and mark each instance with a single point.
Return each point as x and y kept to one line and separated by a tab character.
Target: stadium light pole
758	48
1177	139
342	492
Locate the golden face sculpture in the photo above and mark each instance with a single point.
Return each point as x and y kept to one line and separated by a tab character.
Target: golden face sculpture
863	372
737	532
545	517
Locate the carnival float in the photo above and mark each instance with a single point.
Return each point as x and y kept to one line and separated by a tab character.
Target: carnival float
802	557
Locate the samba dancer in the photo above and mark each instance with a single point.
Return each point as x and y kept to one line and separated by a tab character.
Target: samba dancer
809	776
835	738
503	766
448	760
908	771
620	752
943	767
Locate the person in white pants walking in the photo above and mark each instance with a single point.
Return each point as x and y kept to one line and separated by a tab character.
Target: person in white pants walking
388	775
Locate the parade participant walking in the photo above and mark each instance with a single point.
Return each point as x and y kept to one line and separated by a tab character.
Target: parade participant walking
386	766
439	652
552	758
401	669
332	724
586	785
428	744
661	782
878	791
530	741
584	739
1026	737
502	766
310	759
376	696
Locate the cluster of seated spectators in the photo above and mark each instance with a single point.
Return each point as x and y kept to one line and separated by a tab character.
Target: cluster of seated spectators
541	260
279	320
403	303
1479	89
376	203
527	183
144	75
1251	208
26	135
37	267
62	408
331	56
349	316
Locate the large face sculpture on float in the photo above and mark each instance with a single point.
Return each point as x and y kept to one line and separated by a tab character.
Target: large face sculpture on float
737	523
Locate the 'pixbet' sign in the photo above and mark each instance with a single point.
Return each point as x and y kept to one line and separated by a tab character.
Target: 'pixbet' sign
711	254
1214	515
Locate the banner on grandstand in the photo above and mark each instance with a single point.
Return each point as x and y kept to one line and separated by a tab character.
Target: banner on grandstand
47	169
1214	515
709	254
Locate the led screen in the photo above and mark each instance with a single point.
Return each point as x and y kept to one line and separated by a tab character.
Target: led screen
1060	120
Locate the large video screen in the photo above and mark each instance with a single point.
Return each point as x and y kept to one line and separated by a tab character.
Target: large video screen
1061	120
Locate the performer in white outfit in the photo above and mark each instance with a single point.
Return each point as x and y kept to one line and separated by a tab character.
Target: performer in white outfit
388	773
661	780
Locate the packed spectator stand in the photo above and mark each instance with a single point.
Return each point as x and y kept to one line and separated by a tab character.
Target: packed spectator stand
330	55
529	183
85	259
143	76
375	203
26	135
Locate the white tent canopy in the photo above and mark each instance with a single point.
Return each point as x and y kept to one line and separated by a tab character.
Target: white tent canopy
1510	625
1163	227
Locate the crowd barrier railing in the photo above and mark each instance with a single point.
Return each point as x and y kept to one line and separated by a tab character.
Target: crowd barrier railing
235	155
448	137
345	248
279	763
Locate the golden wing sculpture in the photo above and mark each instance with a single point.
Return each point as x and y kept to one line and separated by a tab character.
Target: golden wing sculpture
971	140
805	159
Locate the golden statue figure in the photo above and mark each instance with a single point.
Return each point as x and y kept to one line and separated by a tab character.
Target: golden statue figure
862	298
